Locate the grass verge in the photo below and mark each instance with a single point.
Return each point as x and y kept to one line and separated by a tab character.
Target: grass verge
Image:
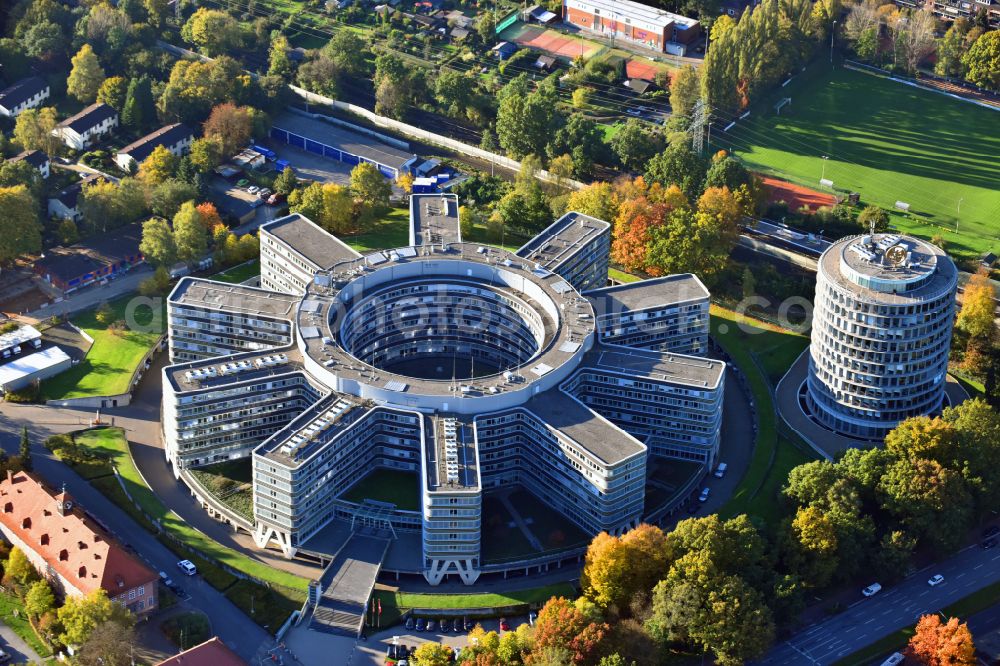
115	354
12	614
742	338
186	630
286	591
394	604
238	274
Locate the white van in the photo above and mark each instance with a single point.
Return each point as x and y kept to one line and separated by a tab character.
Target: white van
720	471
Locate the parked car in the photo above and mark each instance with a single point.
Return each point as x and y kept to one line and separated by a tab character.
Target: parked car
264	193
432	625
720	471
935	580
188	567
165	579
468	624
504	626
894	659
253	189
421	624
990	543
242	182
633	112
872	590
276	198
409	623
703	497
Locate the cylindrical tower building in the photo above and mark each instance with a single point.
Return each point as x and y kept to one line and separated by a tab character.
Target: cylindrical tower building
881	333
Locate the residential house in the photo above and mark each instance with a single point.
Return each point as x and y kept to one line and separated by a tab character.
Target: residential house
25	94
101	258
176	138
87	127
70	549
63	206
212	652
35	158
459	34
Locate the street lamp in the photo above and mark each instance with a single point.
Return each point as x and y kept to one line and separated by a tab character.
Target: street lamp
833	32
823	174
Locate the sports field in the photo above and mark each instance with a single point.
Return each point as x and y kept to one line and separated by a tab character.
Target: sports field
550	41
890	142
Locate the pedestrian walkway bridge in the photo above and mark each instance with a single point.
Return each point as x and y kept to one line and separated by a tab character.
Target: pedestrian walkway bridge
347	583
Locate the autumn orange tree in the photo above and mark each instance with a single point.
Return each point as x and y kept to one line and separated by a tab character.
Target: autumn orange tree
937	643
574	627
616	569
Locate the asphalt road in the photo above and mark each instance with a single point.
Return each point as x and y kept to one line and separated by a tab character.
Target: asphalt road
231	625
868	620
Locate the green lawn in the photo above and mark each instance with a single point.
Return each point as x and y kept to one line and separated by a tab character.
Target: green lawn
393	230
888	141
549	526
240	273
501	540
395	486
187	629
622	276
108	367
13	615
231	483
174	525
759	348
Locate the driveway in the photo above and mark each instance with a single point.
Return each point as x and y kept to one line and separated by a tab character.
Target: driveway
898	606
93	295
20	652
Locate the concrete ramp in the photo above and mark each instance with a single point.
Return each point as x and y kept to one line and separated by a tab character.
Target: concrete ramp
347	585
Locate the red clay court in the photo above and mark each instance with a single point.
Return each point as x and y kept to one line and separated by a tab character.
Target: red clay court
639	69
550	41
796	196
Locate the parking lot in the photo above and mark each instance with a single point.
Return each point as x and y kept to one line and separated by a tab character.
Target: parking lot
238	203
310	166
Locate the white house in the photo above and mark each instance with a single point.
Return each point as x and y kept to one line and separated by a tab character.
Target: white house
87	127
25	94
176	138
64	205
35	158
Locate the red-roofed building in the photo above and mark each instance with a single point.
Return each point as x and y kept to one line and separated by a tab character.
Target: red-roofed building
69	549
212	652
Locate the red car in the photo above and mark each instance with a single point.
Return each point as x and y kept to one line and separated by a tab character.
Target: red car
503	625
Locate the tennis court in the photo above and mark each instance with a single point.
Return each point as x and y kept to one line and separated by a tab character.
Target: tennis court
552	42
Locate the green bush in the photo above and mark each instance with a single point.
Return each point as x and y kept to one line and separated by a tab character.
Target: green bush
28	394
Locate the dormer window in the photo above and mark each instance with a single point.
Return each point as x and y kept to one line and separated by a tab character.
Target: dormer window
83	572
8	507
45	540
26	524
63	555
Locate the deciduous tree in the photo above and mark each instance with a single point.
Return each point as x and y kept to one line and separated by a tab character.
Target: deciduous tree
158	167
432	654
86	76
39	600
212	31
157	244
20	231
79	616
597	200
33	130
635	145
113	92
19	567
936	643
231	125
111	643
685	90
190	235
982	61
977	314
369	186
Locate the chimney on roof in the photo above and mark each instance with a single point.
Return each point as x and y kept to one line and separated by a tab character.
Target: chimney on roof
10	476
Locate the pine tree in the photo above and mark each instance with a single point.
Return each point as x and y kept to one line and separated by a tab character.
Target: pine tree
25	452
139	110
